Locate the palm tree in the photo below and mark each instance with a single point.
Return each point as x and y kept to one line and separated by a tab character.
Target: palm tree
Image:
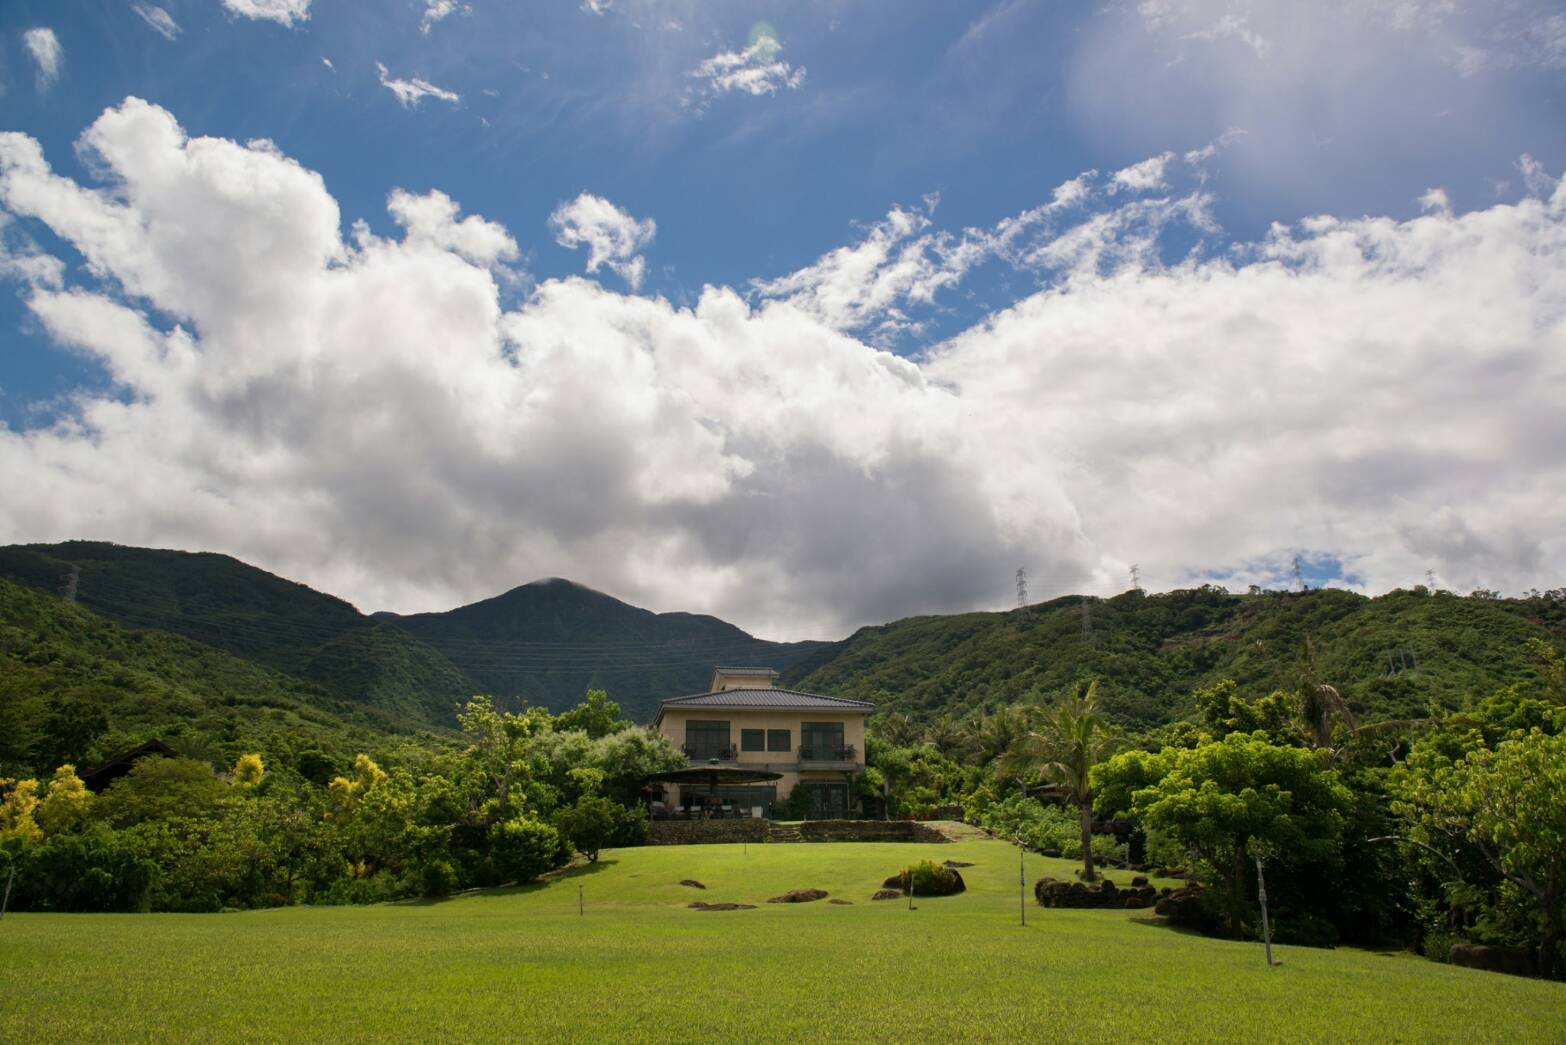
943	735
1320	704
1070	739
987	737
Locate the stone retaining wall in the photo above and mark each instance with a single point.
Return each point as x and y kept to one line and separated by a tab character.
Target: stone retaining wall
869	831
701	832
698	832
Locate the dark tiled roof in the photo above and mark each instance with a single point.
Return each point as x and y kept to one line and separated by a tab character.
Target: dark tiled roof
742	697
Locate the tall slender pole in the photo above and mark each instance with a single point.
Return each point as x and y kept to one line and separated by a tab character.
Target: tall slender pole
9	878
581	910
1022	882
1261	894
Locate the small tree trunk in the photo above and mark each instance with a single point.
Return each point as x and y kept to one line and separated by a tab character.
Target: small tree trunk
1550	946
1237	891
1087	841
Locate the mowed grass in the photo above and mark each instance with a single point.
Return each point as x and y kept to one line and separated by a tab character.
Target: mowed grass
639	966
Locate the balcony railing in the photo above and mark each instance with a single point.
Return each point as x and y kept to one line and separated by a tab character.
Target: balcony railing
704	753
827	754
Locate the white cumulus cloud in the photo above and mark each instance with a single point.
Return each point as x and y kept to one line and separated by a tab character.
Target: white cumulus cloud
370	415
283	12
612	236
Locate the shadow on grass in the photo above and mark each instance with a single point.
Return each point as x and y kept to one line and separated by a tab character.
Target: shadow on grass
1157	922
578	870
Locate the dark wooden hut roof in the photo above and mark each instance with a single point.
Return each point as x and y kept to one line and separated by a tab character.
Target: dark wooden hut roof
120	764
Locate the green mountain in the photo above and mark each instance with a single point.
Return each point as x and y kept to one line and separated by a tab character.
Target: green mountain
222	602
76	687
549	642
1391	657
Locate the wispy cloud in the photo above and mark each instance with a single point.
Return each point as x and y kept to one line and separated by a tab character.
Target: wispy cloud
283	12
438	10
412	91
612	236
47	54
160	21
1142	177
756	70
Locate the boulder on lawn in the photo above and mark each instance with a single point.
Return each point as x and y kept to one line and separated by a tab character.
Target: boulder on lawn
887	894
693	883
700	905
1050	892
800	896
846	903
954	864
1183	907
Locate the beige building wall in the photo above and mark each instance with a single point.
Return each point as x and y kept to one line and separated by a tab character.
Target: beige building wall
672	725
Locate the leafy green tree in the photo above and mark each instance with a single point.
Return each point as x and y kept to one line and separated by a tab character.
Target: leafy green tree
18	809
522	848
1224	711
66	804
1506	807
498	748
597	716
93	870
163	789
1230	800
589	824
1069	740
248	771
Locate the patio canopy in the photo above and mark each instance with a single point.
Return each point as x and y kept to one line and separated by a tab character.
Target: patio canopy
713	777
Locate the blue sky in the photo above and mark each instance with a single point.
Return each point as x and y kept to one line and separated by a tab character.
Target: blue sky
738	146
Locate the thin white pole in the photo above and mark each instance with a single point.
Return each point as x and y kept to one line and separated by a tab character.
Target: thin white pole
1261	894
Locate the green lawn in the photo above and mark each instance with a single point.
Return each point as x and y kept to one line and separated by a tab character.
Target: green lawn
523	965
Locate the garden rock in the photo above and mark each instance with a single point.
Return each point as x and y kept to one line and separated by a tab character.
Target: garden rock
1183	907
887	894
1051	892
846	903
700	905
693	883
799	896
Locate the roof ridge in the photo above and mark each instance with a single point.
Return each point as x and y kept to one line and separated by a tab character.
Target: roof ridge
739	690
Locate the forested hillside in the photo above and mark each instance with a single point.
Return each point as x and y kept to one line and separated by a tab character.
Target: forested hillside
549	642
78	688
222	602
1391	656
543	644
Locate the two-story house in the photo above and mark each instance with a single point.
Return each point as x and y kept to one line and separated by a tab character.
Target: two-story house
813	741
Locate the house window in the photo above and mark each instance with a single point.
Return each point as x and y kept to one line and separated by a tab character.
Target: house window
704	739
752	739
780	740
821	741
827	801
